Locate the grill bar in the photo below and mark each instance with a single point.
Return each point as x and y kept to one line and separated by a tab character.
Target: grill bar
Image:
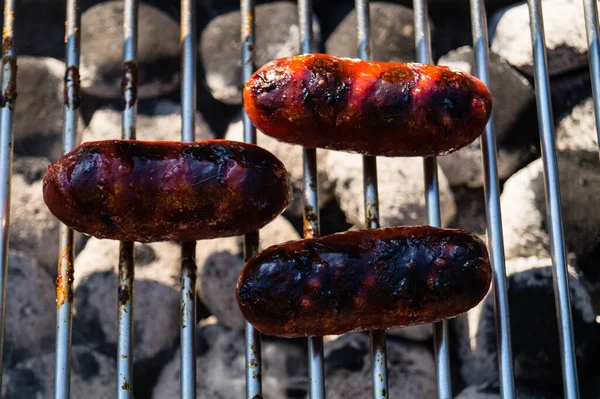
553	202
493	211
432	196
311	209
64	282
371	204
9	94
188	250
126	270
253	346
591	25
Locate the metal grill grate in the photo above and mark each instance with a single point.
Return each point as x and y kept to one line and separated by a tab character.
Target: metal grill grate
64	289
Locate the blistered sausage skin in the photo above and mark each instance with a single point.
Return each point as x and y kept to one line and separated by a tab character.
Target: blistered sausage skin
372	108
160	191
364	280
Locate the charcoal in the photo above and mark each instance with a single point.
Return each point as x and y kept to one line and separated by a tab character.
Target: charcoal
102	51
156	315
159	120
411	370
524	209
566	40
220	361
401	189
219	264
515	126
29	326
93	375
38	117
277	31
535	341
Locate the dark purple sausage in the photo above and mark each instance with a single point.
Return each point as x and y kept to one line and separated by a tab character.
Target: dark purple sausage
373	108
159	191
364	280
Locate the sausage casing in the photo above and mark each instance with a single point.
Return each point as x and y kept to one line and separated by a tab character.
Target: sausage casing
372	108
159	191
364	280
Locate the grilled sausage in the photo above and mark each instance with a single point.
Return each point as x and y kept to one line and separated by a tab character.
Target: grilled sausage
158	191
364	280
372	108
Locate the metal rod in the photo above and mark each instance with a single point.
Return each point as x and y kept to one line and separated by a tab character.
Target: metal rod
432	196
126	258
371	200
188	320
591	25
493	211
64	281
188	250
311	210
253	347
9	95
553	202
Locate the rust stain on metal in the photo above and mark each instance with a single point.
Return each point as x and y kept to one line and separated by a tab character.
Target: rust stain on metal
9	94
253	363
7	43
64	282
372	215
310	222
71	87
182	316
129	83
384	392
246	28
126	386
124	294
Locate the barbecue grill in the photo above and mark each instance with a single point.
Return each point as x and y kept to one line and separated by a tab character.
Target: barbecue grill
64	289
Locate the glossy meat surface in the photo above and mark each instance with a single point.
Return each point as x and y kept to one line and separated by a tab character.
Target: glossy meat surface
160	191
364	280
372	108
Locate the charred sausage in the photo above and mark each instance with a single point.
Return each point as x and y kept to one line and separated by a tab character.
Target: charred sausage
158	191
372	108
364	280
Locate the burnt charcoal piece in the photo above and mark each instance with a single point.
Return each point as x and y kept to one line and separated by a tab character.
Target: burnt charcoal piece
372	108
159	191
364	280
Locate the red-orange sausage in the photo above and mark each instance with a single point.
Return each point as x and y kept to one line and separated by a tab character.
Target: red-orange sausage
364	280
159	191
373	108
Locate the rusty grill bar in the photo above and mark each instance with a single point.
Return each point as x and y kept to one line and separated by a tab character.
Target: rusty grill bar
64	289
9	95
253	347
311	215
64	282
